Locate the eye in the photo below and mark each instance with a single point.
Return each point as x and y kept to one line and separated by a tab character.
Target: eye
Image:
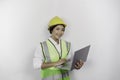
63	29
57	29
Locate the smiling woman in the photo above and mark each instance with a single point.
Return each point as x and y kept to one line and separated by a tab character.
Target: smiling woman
54	52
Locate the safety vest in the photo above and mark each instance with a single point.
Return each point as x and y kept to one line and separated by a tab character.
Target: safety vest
51	54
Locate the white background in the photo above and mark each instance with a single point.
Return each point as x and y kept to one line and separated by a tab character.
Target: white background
23	24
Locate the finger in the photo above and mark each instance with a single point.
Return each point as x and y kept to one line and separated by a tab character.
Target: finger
76	67
81	61
78	63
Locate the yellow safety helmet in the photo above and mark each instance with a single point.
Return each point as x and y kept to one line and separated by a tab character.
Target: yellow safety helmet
54	21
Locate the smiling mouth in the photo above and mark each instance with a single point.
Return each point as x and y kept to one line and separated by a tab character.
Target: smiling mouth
59	35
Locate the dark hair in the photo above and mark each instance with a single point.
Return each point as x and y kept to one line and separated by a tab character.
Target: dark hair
52	27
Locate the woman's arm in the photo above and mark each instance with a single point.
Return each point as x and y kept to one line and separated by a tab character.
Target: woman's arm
52	64
38	58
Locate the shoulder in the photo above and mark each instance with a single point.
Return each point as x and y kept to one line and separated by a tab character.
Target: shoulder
43	42
66	41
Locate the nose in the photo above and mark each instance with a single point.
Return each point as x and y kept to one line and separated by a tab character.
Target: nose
60	32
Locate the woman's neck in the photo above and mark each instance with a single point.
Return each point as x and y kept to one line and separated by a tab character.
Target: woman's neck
56	40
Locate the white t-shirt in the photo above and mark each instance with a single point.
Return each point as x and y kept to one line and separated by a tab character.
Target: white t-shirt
38	55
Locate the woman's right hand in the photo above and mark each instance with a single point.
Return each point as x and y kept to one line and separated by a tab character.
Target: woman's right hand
53	64
61	61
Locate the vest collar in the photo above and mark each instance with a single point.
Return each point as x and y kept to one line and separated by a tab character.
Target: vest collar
53	41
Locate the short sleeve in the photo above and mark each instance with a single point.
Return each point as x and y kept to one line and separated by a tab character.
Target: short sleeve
38	58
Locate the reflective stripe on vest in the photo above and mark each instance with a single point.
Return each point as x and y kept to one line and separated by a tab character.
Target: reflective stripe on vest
51	54
45	52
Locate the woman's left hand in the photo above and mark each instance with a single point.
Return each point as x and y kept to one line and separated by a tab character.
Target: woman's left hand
79	64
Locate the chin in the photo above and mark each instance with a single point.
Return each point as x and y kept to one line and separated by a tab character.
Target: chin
58	37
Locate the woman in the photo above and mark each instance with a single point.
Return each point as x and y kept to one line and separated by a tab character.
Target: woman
54	52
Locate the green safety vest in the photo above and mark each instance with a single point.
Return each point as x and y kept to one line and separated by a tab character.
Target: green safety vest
51	54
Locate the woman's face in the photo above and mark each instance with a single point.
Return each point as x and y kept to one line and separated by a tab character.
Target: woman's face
58	31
